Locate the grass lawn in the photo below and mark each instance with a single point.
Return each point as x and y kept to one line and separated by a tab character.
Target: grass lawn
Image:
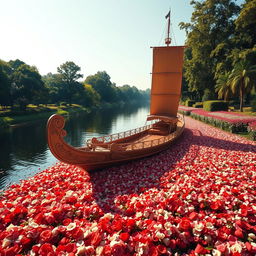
34	112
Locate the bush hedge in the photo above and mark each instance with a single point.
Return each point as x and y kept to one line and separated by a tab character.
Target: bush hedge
215	105
189	103
238	127
198	105
252	130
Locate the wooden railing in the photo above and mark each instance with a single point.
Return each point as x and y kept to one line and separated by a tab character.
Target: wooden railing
116	136
147	143
101	141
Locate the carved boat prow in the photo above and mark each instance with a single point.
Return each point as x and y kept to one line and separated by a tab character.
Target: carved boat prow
116	148
62	150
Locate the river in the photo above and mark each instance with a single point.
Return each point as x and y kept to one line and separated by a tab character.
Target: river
24	151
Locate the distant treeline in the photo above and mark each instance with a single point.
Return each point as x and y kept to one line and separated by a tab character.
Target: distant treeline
21	84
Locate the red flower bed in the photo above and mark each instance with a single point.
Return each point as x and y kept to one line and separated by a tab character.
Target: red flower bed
197	198
230	117
252	126
233	122
186	110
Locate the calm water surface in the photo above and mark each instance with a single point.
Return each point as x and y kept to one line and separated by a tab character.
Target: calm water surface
24	151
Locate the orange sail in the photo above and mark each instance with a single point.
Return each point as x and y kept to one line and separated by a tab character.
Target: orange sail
166	80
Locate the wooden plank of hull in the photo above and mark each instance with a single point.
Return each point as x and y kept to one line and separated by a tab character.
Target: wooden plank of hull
90	159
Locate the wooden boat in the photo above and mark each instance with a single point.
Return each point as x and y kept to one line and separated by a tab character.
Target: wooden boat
113	149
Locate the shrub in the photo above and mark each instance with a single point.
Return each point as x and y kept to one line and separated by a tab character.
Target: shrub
198	105
233	103
189	103
215	105
63	103
252	130
253	105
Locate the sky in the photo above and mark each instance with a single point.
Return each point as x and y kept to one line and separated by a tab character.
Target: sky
98	35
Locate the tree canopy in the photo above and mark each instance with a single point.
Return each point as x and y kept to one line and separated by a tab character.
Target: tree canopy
21	84
220	35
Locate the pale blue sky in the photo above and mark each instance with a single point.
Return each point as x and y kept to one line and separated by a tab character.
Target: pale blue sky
110	35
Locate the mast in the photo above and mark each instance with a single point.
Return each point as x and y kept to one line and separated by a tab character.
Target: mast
166	77
168	39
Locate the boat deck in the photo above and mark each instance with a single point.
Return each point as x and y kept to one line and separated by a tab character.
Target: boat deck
135	143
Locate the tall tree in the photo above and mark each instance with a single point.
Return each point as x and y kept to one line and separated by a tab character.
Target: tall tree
15	64
208	40
27	85
55	87
223	86
69	74
102	84
5	84
242	80
246	24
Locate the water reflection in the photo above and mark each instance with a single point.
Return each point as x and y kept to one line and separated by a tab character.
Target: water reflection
24	149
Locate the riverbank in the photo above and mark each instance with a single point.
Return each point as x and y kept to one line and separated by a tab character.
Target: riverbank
196	198
33	113
9	118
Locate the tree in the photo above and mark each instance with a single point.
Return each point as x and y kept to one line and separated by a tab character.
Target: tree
101	83
69	74
90	97
55	87
15	64
245	25
208	39
5	84
27	85
223	86
242	80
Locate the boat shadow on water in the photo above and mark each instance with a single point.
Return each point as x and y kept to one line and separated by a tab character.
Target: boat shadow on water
113	184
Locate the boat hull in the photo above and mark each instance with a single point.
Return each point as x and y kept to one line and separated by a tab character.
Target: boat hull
98	155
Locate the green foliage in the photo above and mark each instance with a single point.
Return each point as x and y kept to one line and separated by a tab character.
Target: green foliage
215	105
21	84
27	85
253	104
222	86
208	39
69	72
224	125
198	105
242	80
252	135
184	112
101	83
189	103
208	95
68	75
245	25
5	84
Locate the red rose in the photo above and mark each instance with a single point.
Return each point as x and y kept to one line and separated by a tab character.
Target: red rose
185	224
95	238
161	249
46	235
200	249
239	233
124	236
46	249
